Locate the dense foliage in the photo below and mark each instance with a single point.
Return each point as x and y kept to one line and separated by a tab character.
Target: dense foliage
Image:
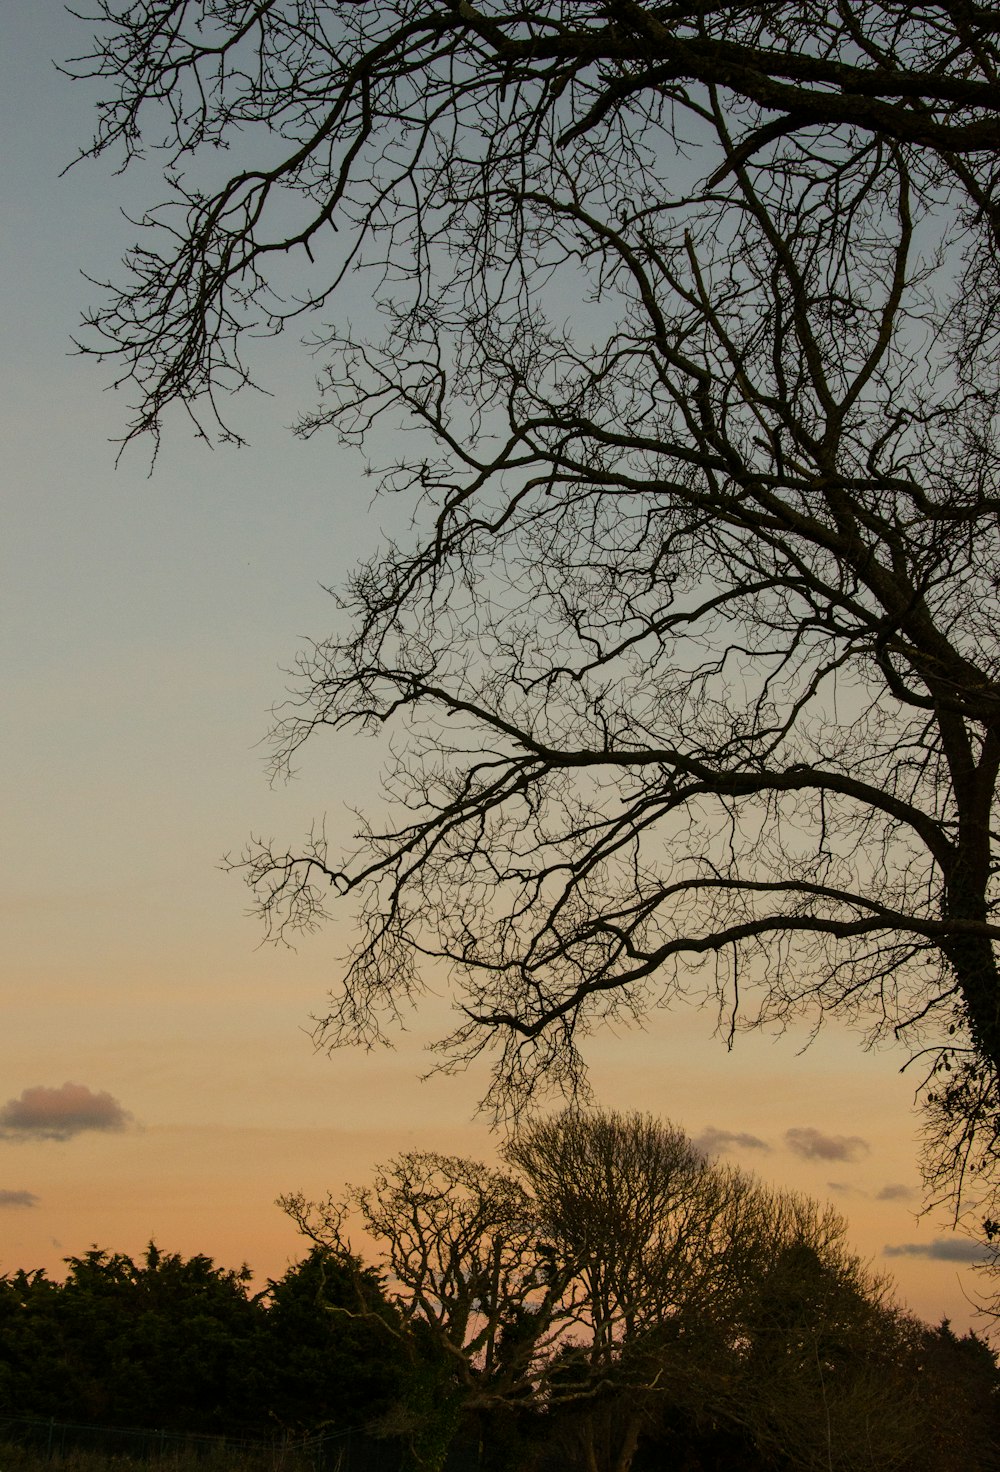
183	1345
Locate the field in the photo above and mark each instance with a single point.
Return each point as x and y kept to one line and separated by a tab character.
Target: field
151	1452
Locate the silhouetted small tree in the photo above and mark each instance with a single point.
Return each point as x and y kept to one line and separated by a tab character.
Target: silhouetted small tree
958	1382
824	1375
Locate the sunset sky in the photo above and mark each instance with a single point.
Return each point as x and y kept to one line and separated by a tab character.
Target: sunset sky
157	1075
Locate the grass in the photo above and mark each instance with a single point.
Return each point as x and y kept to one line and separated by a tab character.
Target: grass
17	1457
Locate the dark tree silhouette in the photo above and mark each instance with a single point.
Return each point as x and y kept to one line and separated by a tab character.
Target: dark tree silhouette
693	654
167	1341
630	1293
181	1344
828	1373
330	1358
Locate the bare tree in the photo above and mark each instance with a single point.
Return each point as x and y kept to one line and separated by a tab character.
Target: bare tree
616	1277
694	650
656	1233
829	1371
702	1291
662	1246
458	1242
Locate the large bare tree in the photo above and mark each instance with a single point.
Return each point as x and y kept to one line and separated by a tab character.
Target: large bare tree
692	657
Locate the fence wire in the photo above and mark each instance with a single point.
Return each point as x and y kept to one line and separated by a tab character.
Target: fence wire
351	1450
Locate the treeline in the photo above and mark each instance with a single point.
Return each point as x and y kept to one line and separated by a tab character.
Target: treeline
608	1300
183	1345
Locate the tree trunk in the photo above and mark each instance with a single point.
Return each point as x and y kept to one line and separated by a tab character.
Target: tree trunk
629	1444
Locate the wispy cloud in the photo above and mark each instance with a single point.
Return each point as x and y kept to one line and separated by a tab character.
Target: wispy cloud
17	1198
717	1142
813	1144
895	1193
942	1249
41	1113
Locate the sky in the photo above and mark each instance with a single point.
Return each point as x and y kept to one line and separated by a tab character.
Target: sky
157	1073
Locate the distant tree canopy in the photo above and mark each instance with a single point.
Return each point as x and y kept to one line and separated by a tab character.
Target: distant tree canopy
183	1345
692	657
129	1343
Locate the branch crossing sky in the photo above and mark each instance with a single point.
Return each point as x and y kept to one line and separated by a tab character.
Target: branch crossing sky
156	1070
